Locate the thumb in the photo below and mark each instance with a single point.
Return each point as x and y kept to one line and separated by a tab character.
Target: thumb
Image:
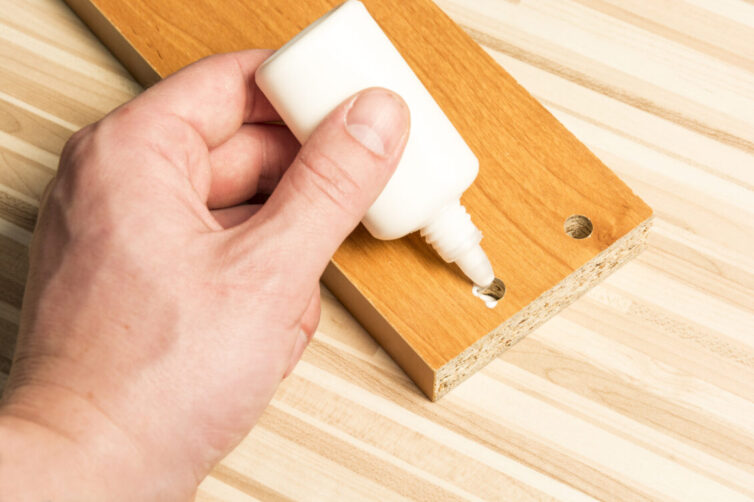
337	175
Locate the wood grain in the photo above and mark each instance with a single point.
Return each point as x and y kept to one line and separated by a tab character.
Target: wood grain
534	175
642	389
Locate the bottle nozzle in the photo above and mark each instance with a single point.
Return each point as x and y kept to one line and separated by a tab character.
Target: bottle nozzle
477	267
456	239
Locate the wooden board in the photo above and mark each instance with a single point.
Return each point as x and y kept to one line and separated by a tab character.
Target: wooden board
643	389
534	175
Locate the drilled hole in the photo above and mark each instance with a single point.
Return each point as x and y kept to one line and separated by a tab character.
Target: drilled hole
491	294
578	226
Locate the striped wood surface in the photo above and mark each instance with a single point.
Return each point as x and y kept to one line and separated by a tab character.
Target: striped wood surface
643	389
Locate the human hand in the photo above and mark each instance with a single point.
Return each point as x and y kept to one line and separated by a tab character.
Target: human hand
161	311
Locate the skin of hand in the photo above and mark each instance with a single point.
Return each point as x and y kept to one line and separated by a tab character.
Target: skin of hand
161	311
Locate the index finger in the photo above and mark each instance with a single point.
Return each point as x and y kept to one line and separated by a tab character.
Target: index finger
215	95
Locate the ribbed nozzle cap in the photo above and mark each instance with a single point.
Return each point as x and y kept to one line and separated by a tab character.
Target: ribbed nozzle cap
456	239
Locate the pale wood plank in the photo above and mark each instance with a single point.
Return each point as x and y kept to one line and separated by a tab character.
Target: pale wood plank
636	367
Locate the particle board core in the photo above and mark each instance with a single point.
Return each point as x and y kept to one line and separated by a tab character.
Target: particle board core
534	178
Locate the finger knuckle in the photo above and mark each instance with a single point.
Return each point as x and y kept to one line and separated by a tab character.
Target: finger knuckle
74	147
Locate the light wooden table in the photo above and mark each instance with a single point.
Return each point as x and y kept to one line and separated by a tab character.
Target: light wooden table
643	389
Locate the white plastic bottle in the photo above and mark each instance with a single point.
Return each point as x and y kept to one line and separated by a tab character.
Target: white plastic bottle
344	52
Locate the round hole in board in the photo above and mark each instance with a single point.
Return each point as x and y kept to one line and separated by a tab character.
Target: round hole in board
491	294
578	226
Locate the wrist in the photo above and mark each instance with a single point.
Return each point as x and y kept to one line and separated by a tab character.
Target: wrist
31	466
57	446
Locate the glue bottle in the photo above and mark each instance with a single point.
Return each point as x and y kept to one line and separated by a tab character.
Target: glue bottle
344	52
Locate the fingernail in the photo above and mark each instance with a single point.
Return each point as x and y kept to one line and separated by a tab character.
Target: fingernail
378	119
301	342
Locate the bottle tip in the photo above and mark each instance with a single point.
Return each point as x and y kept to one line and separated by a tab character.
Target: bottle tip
477	267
